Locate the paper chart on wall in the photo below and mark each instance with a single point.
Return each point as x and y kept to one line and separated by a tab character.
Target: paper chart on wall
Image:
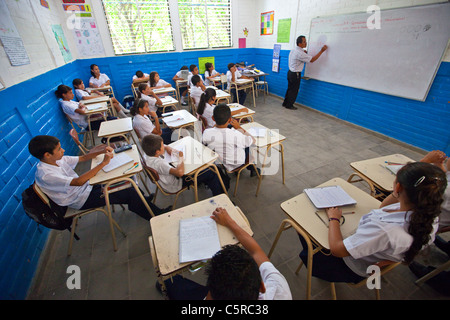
62	42
87	38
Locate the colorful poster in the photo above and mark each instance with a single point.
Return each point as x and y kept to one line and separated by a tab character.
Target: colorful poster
62	42
267	19
242	43
87	38
284	30
201	63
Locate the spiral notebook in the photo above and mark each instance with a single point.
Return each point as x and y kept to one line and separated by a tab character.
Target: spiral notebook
330	196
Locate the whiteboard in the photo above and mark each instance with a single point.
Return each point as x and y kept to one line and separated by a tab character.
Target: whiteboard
401	58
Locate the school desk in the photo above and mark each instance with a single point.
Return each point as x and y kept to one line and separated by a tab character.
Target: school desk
164	241
181	84
114	128
116	176
242	115
222	95
167	90
374	172
168	101
271	139
94	112
243	84
181	119
197	157
98	99
312	223
108	90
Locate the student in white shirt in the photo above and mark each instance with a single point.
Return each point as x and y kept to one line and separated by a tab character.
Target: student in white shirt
194	71
232	75
183	90
76	110
196	89
234	273
157	82
56	177
140	76
231	144
82	94
210	73
143	125
98	80
394	232
172	179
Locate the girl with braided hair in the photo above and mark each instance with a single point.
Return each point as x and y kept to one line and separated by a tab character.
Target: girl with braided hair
406	221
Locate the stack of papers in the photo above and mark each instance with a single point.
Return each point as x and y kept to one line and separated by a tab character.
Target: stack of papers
327	197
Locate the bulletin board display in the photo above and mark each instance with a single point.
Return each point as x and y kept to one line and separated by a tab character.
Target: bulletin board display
267	20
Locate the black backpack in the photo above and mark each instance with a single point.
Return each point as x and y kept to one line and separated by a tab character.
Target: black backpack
49	215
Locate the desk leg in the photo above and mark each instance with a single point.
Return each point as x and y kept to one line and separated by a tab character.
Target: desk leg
216	170
156	267
253	92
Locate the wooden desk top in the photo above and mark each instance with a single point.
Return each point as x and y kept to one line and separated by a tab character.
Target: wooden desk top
96	100
271	136
113	127
375	170
164	90
237	106
196	154
187	118
301	210
103	177
96	108
98	89
165	230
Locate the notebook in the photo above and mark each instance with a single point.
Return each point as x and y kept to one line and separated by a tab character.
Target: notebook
199	239
327	197
257	132
117	161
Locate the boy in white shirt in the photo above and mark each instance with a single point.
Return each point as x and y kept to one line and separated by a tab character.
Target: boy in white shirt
194	72
233	144
183	90
232	75
140	76
196	89
171	178
56	177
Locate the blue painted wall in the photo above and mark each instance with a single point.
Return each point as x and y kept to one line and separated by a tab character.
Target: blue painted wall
31	108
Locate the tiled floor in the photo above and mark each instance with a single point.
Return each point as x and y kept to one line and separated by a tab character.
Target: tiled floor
317	148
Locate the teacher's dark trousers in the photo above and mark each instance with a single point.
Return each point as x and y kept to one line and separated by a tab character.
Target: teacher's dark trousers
293	87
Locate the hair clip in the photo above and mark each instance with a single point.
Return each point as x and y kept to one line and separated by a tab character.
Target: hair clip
419	181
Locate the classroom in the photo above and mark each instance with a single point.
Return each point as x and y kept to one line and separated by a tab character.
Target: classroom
379	92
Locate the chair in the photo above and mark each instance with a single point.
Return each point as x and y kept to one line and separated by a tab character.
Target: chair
203	120
74	134
238	170
223	81
262	86
77	214
154	177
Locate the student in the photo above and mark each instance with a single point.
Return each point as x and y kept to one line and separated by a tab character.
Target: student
210	73
56	177
194	71
144	126
196	89
183	90
234	273
232	75
157	82
394	232
98	80
82	94
146	93
231	144
172	179
76	110
140	76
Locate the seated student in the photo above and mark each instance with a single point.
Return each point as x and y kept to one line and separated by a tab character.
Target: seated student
146	93
82	94
157	82
234	273
172	179
394	232
76	110
231	144
183	90
56	177
144	126
140	77
210	73
196	89
194	71
98	80
232	75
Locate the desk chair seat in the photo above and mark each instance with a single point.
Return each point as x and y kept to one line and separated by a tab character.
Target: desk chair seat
224	82
154	177
76	215
238	170
262	86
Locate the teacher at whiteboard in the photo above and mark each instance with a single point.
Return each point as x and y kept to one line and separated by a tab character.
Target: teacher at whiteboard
297	59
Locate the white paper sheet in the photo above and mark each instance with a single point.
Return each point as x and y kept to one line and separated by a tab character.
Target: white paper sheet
117	161
327	197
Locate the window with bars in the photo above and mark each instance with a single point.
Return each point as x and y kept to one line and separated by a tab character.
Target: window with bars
205	23
139	26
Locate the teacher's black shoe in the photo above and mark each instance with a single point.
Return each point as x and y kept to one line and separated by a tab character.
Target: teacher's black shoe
291	107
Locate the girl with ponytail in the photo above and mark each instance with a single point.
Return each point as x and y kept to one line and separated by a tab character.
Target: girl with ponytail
406	221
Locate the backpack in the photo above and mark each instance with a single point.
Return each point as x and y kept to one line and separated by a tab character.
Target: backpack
128	101
49	215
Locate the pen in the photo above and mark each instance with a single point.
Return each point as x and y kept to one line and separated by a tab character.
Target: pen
135	165
394	163
349	212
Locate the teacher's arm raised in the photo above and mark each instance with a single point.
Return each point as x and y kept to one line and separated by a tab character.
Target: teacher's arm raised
319	54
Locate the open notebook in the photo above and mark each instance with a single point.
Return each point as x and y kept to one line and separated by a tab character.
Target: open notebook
330	196
117	161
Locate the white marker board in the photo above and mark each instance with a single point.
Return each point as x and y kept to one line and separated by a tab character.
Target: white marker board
401	58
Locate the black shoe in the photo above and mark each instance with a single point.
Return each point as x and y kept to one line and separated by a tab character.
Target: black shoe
184	104
253	172
291	107
442	244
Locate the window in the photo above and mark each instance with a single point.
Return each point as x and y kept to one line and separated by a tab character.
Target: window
205	23
139	26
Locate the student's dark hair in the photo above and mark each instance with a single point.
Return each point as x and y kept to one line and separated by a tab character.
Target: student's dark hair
62	89
208	65
151	143
221	113
92	67
152	78
195	79
141	88
299	39
204	98
39	145
184	68
192	67
231	65
77	82
424	185
233	275
138	104
139	74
